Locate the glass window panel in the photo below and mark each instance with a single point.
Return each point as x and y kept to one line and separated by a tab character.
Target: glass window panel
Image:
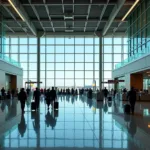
50	57
14	40
88	40
42	57
69	74
14	57
50	40
69	66
59	49
32	74
96	41
23	40
125	56
88	57
69	40
23	58
69	82
107	66
89	74
69	49
88	83
79	57
96	49
59	41
59	57
6	49
14	48
96	57
59	66
125	49
23	49
79	49
79	83
69	58
79	66
42	85
50	74
42	40
125	40
88	49
96	66
42	74
107	49
25	74
107	58
60	74
32	49
107	74
42	66
50	66
88	66
7	40
117	58
79	74
117	49
32	66
97	75
117	40
33	58
24	66
60	83
107	40
79	40
49	83
32	40
42	49
50	49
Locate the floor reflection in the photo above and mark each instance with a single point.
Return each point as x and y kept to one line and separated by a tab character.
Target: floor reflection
80	122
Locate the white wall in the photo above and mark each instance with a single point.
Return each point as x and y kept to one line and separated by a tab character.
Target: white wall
10	69
133	67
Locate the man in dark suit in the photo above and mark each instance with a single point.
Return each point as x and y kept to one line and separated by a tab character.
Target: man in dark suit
36	97
53	94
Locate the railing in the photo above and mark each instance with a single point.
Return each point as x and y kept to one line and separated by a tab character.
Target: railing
9	60
133	58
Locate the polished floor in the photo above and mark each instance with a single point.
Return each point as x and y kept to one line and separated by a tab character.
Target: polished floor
80	123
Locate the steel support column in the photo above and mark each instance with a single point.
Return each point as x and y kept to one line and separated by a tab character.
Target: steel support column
38	61
100	62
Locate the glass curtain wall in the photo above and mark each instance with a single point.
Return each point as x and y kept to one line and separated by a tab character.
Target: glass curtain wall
115	50
69	61
139	29
24	50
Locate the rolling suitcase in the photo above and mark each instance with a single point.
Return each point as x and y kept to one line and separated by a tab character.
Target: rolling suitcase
127	108
33	106
56	105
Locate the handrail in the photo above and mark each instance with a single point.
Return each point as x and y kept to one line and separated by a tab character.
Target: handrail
133	58
9	60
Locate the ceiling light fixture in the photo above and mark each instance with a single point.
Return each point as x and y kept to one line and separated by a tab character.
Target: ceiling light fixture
130	10
16	9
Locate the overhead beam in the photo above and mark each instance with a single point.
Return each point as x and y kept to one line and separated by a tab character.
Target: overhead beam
22	11
101	15
112	16
49	3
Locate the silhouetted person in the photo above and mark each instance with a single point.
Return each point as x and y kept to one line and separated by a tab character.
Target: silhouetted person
72	91
50	120
53	94
76	92
22	126
90	93
13	93
132	98
8	94
36	123
28	91
105	93
22	97
36	97
48	98
3	92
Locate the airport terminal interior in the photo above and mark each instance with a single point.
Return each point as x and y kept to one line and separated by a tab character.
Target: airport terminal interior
95	54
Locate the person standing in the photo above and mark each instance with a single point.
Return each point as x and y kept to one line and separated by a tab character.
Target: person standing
132	98
3	92
53	94
36	97
105	93
22	97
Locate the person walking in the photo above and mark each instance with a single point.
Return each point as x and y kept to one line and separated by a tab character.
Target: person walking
132	98
22	97
3	92
36	97
53	94
48	98
105	93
